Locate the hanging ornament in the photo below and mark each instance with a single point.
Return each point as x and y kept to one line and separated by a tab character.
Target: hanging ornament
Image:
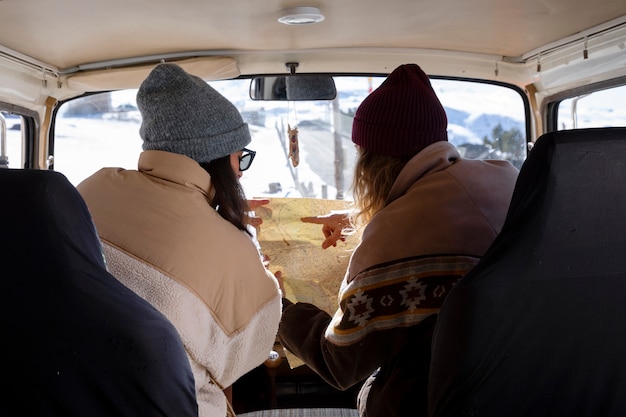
294	152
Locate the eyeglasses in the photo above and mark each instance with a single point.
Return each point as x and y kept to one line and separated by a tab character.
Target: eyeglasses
246	158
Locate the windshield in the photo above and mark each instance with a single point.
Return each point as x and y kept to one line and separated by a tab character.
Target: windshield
484	121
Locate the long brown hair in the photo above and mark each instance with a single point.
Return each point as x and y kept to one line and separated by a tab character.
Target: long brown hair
229	200
374	174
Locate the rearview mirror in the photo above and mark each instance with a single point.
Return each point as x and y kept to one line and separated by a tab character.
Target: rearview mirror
293	88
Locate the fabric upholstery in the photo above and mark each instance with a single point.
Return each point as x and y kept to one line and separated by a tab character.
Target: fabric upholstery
76	341
537	328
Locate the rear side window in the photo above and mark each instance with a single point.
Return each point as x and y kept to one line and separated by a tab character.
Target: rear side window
604	108
11	140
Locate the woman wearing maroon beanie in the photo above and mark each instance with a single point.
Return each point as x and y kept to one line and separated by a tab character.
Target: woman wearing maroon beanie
428	215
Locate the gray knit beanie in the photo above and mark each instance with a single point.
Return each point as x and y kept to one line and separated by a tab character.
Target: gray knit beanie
182	114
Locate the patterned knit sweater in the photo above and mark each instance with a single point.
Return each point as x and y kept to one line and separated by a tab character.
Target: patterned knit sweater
442	214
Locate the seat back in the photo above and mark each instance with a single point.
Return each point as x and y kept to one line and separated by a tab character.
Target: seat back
76	341
538	327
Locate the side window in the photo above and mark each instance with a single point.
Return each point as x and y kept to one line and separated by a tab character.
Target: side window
11	141
96	131
604	108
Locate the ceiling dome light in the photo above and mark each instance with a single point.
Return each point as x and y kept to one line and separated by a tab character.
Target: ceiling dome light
301	16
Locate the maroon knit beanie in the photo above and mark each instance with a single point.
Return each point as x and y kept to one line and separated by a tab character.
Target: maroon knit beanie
402	116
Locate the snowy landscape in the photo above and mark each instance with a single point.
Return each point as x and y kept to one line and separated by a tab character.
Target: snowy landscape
85	144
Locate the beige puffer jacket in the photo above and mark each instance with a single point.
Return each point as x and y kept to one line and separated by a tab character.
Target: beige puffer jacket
164	241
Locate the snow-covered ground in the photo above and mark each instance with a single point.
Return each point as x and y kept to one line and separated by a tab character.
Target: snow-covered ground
86	145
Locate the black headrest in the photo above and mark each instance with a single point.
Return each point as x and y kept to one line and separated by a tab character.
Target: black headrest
76	341
537	327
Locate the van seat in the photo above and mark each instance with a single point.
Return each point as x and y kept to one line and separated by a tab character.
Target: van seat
76	341
538	327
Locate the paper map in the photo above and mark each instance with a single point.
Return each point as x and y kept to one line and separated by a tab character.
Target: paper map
310	274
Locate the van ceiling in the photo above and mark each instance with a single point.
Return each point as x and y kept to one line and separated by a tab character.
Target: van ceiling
65	35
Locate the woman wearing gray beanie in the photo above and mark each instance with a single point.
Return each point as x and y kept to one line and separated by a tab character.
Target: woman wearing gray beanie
428	215
175	231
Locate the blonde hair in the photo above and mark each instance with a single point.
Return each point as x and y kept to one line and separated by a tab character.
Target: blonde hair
374	174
